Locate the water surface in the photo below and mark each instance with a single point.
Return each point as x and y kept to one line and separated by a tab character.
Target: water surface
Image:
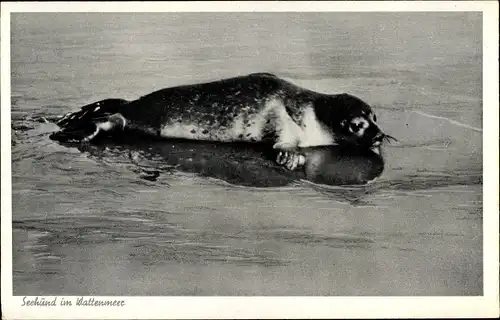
89	222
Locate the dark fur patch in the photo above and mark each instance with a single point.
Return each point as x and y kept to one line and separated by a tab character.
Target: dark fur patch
218	104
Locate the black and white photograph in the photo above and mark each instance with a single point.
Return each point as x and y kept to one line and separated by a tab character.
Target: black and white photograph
247	152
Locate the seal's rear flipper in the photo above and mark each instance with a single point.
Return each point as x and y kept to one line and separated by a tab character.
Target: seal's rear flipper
76	134
85	124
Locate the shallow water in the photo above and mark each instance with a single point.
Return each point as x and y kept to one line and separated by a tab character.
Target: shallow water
92	222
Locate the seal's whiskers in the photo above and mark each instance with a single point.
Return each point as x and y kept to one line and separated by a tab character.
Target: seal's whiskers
387	138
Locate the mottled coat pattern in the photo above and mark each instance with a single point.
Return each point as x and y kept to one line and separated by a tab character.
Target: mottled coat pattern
259	107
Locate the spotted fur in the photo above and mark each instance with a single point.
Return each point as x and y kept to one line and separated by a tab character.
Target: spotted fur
254	108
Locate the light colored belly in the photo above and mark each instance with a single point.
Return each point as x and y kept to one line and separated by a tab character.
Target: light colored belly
238	131
313	133
306	134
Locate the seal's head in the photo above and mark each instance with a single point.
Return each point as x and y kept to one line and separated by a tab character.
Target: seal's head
351	120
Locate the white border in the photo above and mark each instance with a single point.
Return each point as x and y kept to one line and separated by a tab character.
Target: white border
275	307
249	6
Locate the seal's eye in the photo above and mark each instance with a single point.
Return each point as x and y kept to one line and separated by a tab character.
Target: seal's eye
355	127
374	118
358	125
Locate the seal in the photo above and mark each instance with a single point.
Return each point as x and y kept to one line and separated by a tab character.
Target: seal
255	108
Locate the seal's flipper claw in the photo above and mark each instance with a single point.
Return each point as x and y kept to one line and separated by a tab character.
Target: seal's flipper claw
290	160
282	157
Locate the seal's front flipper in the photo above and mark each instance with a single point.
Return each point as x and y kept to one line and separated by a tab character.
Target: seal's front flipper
85	124
290	159
288	156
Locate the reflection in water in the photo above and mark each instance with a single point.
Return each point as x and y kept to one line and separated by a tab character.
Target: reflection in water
208	219
240	164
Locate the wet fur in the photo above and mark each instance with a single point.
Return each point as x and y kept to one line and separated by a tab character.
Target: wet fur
254	108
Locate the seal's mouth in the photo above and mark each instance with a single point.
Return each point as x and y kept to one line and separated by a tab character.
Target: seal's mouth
379	139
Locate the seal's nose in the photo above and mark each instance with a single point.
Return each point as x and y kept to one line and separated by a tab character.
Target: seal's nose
379	137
